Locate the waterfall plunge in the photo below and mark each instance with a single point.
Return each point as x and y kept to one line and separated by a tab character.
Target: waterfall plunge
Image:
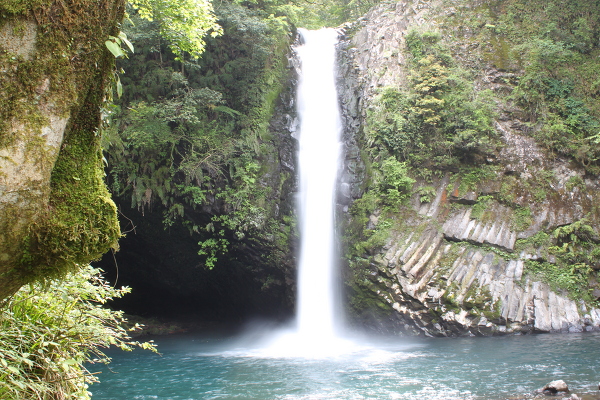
318	324
320	127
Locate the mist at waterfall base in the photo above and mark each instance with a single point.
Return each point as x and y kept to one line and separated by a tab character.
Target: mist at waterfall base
315	357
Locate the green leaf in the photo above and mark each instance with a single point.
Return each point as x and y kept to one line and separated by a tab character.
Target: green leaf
114	48
13	370
227	110
123	37
119	87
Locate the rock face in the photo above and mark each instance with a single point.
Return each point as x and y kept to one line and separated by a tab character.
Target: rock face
53	73
458	262
253	279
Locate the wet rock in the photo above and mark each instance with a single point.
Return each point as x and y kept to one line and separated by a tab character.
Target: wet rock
553	388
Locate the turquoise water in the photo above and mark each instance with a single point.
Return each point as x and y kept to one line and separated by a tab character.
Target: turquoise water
197	367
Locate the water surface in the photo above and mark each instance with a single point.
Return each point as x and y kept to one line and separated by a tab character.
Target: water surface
199	367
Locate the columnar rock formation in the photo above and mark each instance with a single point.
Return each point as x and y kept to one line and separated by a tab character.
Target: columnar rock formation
445	268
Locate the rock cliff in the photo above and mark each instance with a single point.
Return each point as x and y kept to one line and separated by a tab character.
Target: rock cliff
470	253
253	276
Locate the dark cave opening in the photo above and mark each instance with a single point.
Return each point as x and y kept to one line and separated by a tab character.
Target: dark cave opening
169	280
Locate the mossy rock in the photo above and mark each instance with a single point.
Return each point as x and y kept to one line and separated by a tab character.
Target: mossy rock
55	210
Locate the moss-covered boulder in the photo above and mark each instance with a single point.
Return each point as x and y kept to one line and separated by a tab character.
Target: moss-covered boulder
55	211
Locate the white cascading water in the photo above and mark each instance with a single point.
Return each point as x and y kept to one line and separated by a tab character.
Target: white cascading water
320	127
317	333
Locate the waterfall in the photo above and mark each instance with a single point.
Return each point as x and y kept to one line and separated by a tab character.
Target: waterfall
317	332
320	127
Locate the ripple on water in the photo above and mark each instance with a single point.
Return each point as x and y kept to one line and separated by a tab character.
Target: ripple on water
429	369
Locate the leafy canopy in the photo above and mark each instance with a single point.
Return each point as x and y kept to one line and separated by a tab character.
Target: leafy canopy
183	23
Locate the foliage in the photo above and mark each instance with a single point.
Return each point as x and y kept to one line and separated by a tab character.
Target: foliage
479	208
212	247
115	45
426	194
438	121
395	185
49	333
574	279
183	23
541	62
577	244
575	181
522	218
314	14
470	178
374	214
570	258
192	135
551	48
567	124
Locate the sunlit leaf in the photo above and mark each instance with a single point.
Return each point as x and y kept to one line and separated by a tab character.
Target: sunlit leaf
123	37
119	87
114	48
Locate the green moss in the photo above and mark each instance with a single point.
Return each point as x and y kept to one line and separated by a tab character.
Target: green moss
446	263
479	209
540	239
18	7
81	225
498	52
73	221
449	300
522	218
18	99
493	310
63	44
575	182
367	294
471	178
477	301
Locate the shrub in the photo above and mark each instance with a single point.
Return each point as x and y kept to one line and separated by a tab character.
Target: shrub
48	334
439	120
395	185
